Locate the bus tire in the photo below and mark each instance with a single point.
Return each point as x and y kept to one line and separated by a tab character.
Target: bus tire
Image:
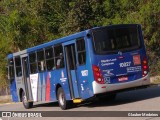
26	104
63	103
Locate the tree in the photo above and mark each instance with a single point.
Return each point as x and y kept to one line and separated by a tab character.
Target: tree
26	23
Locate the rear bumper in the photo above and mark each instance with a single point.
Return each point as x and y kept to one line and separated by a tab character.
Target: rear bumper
103	88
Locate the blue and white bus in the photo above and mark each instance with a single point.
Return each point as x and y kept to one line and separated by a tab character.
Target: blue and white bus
75	68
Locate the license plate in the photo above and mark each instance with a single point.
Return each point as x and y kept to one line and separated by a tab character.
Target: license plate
124	78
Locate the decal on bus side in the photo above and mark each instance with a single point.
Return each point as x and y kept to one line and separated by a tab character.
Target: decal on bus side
108	72
108	62
62	79
107	80
82	88
34	85
125	64
136	59
84	72
134	69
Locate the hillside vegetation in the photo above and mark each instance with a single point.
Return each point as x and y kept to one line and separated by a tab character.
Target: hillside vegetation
26	23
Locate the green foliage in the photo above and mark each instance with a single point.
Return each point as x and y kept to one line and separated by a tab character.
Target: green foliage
26	23
77	18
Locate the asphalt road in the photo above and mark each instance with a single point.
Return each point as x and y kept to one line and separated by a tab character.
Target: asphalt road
138	100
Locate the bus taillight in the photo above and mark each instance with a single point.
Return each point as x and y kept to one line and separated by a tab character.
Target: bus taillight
97	74
145	67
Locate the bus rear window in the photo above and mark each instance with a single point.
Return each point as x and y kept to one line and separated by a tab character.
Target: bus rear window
114	39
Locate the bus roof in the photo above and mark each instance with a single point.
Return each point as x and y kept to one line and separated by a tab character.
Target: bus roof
60	40
50	43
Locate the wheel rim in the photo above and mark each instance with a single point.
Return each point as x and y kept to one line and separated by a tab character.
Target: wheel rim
61	99
24	99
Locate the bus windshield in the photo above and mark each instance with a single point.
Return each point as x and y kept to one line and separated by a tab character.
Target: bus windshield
115	39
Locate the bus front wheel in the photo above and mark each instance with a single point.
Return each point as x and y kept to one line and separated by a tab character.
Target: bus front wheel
26	104
63	103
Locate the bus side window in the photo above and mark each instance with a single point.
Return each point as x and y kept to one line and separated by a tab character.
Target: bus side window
81	51
59	56
33	65
49	58
18	66
41	62
11	69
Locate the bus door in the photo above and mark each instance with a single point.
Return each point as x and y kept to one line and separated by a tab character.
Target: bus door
11	78
26	79
71	62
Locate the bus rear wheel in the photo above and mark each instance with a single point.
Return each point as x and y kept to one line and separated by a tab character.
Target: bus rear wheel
26	104
63	103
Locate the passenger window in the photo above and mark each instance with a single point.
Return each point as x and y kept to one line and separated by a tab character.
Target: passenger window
11	69
33	65
81	51
18	66
49	58
41	62
59	57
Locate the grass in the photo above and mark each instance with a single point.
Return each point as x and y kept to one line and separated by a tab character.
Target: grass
155	80
6	101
